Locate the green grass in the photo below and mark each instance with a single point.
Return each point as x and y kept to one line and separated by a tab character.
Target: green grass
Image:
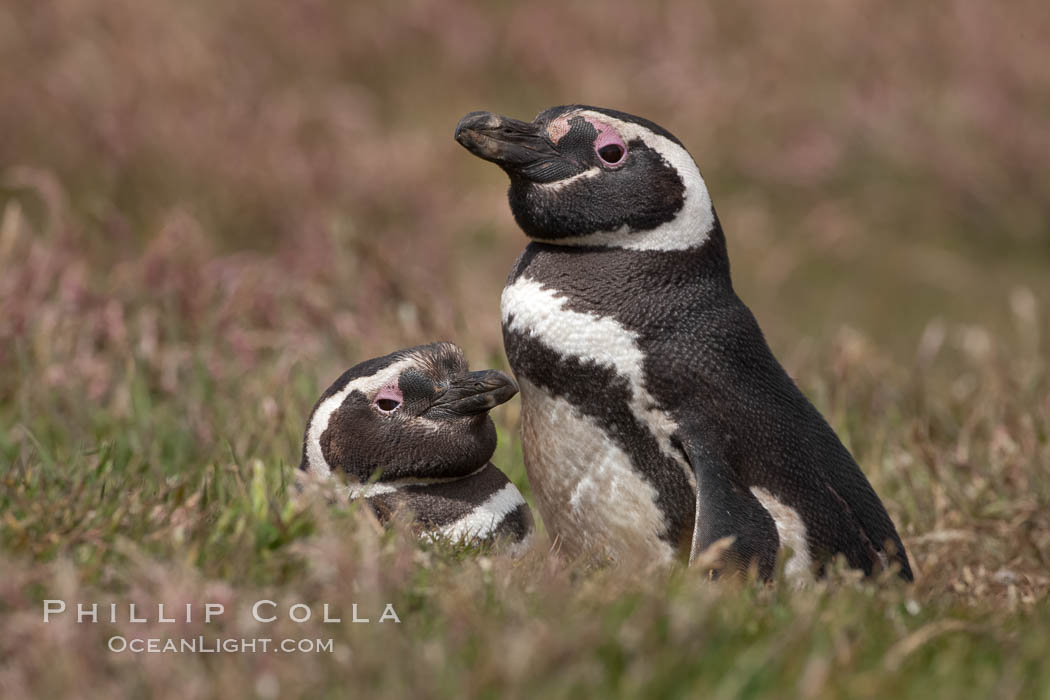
471	625
173	485
207	212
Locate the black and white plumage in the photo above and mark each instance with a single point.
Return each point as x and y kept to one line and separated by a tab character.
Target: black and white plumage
410	431
655	419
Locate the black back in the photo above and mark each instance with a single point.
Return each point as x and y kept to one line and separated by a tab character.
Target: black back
708	364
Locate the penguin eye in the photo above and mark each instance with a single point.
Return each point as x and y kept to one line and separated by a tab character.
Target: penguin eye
387	405
610	147
611	154
388	398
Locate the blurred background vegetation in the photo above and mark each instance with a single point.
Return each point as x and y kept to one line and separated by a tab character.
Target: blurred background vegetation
210	209
189	183
251	195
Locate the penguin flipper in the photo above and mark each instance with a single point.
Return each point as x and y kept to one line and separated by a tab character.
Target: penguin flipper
725	508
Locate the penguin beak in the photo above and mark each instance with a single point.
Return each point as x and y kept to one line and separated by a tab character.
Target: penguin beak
522	149
474	393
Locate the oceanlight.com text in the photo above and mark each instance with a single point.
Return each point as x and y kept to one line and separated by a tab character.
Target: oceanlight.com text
218	645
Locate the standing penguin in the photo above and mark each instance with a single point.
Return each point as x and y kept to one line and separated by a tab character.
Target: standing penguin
655	418
410	431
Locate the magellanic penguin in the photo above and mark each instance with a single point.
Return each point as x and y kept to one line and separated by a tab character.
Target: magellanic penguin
655	418
410	431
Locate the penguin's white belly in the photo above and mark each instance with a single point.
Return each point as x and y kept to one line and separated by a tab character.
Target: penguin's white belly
588	494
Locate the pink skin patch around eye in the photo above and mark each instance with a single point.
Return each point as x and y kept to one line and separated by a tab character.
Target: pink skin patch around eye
607	136
391	392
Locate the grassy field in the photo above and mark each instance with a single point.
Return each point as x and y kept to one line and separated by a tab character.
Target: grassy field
208	210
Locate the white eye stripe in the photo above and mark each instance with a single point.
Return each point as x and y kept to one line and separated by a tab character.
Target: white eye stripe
559	184
316	463
691	226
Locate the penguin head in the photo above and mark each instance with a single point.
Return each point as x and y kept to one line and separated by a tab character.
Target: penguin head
595	177
417	413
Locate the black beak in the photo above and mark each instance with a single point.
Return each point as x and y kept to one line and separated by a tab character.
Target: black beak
520	148
475	393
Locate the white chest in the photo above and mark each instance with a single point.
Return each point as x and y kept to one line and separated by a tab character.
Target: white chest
588	492
590	497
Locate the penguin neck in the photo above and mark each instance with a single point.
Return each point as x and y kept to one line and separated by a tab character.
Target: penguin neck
707	262
376	488
713	256
690	229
